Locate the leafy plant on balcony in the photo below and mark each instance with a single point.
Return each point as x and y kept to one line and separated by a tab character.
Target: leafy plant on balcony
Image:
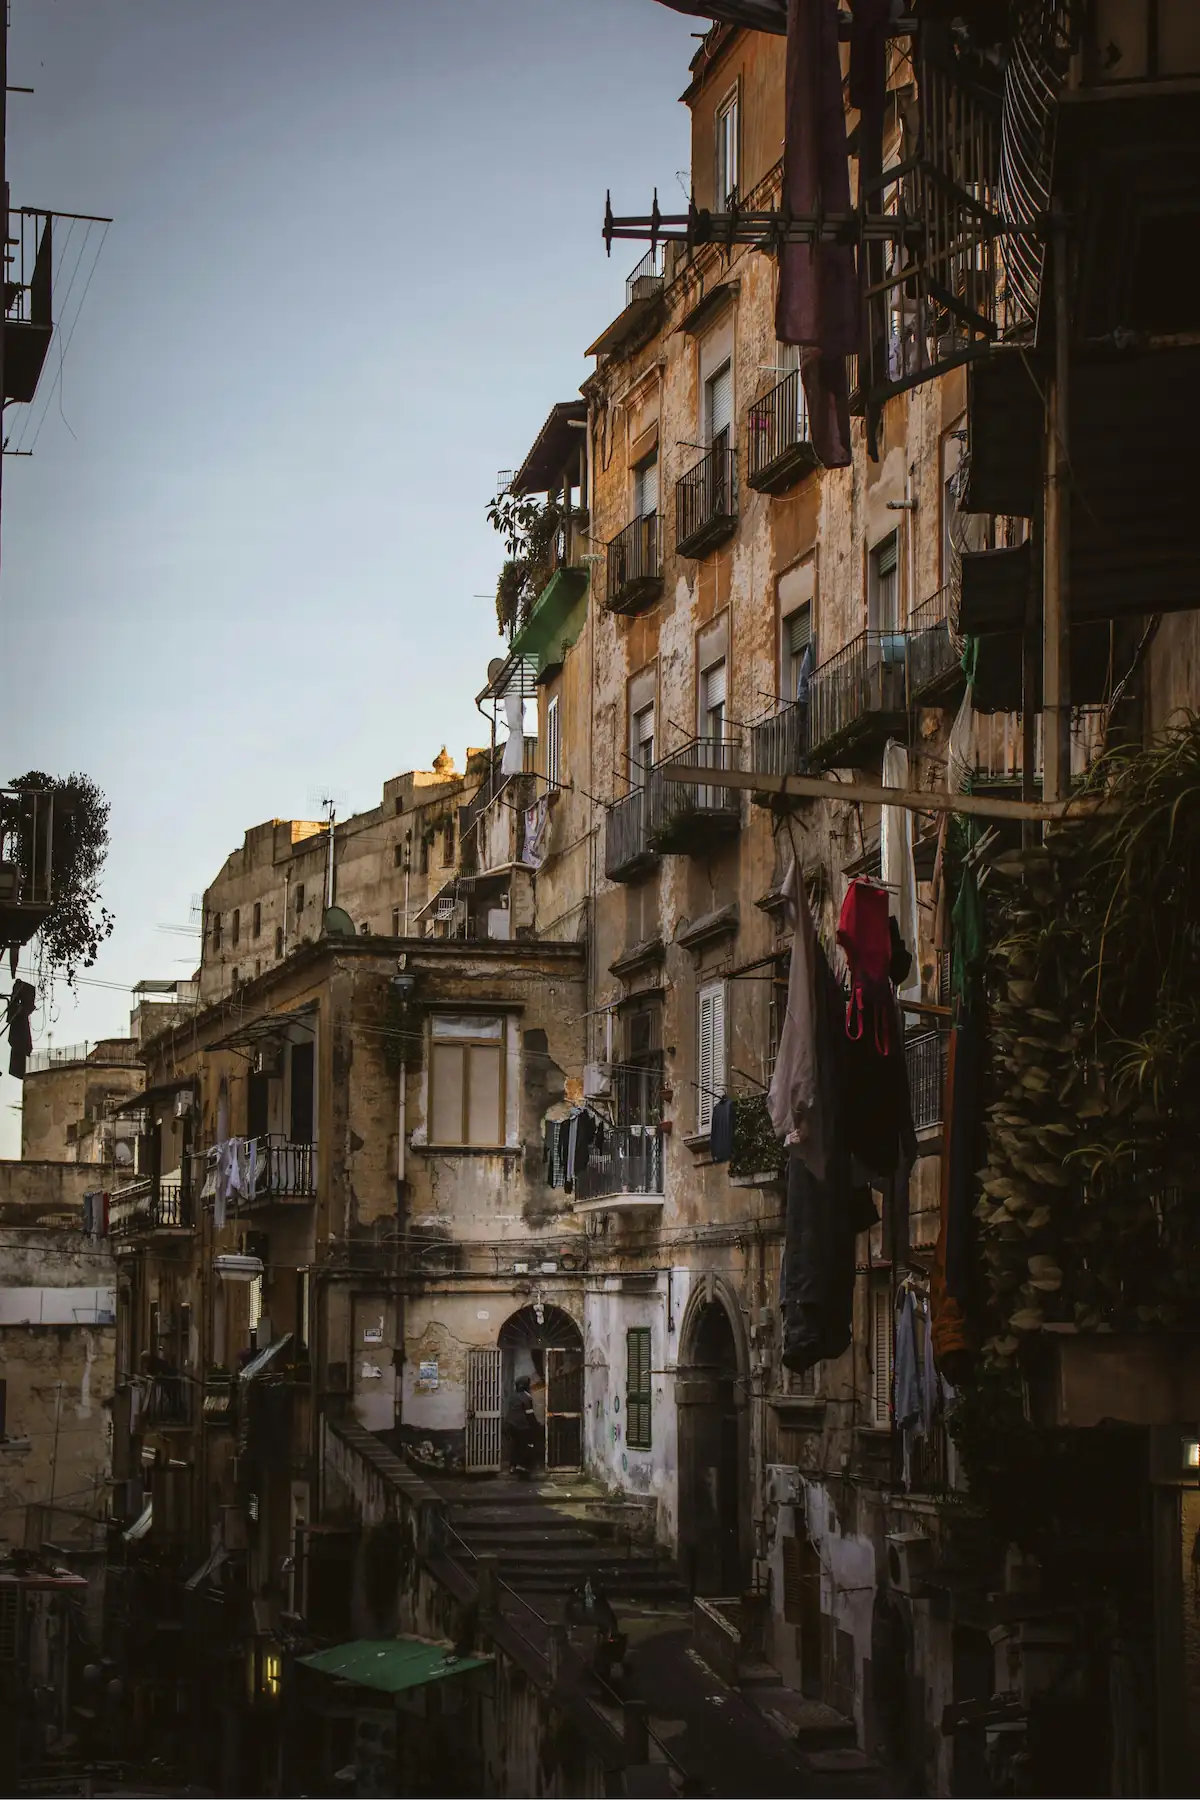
1090	1207
529	528
78	922
756	1149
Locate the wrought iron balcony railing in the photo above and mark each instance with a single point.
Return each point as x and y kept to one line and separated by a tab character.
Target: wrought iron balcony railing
168	1400
148	1206
283	1171
628	1167
925	1060
780	447
706	503
934	666
779	745
635	565
646	281
27	834
859	695
627	851
683	816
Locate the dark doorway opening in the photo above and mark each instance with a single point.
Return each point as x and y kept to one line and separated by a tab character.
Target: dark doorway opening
710	1458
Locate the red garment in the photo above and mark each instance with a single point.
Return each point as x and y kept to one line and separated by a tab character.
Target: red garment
865	935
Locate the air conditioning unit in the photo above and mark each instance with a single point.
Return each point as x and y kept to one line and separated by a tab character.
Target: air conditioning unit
183	1103
909	1561
597	1081
784	1486
268	1060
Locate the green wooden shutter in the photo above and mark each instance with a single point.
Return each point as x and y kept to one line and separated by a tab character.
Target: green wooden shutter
637	1388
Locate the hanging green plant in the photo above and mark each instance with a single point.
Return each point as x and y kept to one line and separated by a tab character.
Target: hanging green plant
78	922
756	1149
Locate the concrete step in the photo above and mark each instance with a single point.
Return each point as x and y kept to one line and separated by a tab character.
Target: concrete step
528	1542
809	1724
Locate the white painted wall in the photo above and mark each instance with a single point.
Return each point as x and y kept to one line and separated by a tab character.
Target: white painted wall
58	1305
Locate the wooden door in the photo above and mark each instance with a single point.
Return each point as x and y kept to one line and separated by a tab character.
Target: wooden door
564	1408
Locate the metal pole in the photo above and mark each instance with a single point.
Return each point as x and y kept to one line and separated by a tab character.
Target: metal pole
1056	599
4	202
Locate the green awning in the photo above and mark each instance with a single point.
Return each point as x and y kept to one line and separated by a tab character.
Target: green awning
393	1665
556	620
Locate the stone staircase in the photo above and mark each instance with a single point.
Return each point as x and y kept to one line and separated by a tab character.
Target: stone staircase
551	1536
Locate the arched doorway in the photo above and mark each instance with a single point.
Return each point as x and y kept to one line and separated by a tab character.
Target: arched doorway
712	1455
544	1344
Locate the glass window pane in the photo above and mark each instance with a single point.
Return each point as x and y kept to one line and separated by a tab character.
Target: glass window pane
446	1076
484	1124
466	1025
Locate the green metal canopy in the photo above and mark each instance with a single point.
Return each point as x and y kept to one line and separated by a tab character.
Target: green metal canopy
556	620
393	1665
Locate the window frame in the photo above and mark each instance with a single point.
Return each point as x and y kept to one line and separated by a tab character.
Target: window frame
711	1078
466	1044
553	742
883	1340
639	1400
889	544
216	932
727	148
256	920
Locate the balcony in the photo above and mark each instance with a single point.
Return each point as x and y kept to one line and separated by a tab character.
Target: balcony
643	307
626	1175
26	862
284	1173
684	817
780	447
627	852
706	504
858	698
28	325
148	1207
168	1400
635	565
779	745
934	665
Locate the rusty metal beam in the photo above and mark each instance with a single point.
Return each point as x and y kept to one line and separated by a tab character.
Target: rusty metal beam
817	787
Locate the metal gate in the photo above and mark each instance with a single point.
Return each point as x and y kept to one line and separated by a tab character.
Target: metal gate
564	1408
484	1410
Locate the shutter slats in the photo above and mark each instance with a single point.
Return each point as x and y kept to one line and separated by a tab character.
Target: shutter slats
715	682
799	631
881	1358
637	1388
720	403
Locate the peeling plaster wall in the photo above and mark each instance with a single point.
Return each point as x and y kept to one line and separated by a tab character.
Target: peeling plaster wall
609	1313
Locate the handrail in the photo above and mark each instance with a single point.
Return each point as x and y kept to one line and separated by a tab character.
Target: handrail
777	423
706	496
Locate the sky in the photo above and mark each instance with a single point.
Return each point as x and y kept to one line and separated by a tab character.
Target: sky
354	258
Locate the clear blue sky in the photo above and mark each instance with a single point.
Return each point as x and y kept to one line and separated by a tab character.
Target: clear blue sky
355	257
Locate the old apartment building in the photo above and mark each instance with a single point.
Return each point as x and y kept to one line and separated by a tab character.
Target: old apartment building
484	1084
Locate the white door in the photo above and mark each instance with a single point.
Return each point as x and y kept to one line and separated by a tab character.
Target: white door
713	690
484	1411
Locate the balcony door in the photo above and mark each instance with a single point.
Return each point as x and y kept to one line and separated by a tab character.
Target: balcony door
718	408
641	755
301	1115
713	693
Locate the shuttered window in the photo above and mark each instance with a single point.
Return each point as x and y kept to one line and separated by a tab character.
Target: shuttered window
710	1056
713	689
466	1102
719	405
883	598
553	744
797	635
881	1356
643	738
646	488
637	1389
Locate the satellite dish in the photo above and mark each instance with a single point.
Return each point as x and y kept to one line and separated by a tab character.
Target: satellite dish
336	922
494	667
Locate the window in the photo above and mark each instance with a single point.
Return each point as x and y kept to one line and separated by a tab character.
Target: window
712	701
881	1357
236	974
398	856
883	592
448	845
303	1115
645	487
301	1325
727	151
257	967
424	857
710	1051
256	927
299	898
637	1388
718	407
395	921
553	744
797	636
466	1079
235	927
216	931
642	744
639	1078
279	940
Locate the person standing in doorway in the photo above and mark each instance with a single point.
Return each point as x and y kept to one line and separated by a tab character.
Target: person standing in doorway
521	1421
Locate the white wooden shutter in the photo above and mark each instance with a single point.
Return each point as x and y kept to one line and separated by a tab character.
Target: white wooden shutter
714	687
643	737
647	488
799	631
881	1356
720	402
710	1060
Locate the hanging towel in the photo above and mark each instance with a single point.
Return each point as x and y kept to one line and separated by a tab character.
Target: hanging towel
720	1138
21	1004
899	868
537	822
906	1388
866	938
513	760
793	1098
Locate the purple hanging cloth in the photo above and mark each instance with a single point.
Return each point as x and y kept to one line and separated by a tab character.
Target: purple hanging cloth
818	304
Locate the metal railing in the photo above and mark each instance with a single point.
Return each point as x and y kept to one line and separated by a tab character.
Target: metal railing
706	503
646	280
932	658
149	1205
928	1461
26	861
866	678
631	1162
675	808
779	441
779	745
168	1401
925	1055
285	1171
634	564
626	846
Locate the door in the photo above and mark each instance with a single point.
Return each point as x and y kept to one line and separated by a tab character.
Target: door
484	1411
564	1408
302	1117
711	750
